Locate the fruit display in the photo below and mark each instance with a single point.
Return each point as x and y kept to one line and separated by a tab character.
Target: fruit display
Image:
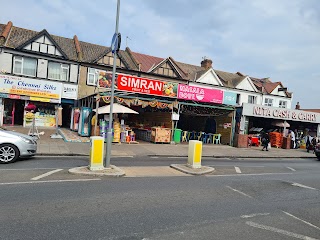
169	89
105	80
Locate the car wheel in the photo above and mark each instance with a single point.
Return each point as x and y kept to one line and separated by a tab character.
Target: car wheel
8	153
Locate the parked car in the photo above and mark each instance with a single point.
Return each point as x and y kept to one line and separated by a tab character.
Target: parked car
317	151
14	145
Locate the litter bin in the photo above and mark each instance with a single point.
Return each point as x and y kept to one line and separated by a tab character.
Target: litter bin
177	135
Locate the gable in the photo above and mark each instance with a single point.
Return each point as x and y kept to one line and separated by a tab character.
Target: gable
279	93
246	84
43	43
107	59
166	69
210	77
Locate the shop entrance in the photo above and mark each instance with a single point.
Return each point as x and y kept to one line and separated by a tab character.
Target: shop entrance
13	112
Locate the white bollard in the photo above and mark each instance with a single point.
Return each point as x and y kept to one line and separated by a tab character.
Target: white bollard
195	153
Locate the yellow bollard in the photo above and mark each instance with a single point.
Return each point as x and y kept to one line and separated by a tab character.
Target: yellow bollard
195	153
96	153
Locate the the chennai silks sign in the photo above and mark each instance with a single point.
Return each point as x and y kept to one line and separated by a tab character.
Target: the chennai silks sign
30	87
280	113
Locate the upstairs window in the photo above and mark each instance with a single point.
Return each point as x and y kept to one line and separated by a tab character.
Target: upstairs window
92	77
25	66
252	99
238	99
268	102
58	71
282	104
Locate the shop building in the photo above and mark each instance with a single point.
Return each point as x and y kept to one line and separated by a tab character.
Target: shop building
36	68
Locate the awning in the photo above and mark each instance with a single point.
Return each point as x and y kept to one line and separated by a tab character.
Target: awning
117	108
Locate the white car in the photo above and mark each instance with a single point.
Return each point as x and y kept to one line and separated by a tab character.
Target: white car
14	145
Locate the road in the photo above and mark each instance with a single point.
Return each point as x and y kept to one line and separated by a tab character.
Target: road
242	199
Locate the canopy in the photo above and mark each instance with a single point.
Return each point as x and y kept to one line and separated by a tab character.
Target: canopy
280	123
117	108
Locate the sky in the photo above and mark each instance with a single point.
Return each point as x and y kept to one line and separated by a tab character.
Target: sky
279	39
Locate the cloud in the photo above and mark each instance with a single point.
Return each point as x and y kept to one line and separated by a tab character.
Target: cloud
261	38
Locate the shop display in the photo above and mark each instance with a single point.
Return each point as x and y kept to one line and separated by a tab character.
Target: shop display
276	139
160	135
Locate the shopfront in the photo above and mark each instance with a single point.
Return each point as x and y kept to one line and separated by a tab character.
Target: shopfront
257	118
18	92
197	109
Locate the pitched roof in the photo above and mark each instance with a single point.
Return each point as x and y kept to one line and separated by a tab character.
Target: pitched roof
229	79
146	61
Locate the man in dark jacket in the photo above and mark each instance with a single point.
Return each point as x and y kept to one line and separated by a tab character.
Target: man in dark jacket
265	141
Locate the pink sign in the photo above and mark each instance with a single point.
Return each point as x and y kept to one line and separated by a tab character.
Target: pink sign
199	94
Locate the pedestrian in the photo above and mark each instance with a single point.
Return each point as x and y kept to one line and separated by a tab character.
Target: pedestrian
265	141
308	142
293	139
314	143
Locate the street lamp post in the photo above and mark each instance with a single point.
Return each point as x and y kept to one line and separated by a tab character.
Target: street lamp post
109	133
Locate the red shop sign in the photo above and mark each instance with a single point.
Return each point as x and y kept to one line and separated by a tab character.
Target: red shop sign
146	86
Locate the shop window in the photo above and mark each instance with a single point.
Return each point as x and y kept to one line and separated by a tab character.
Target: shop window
25	66
282	104
58	71
252	99
268	102
92	76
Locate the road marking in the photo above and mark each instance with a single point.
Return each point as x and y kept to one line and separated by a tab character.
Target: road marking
292	169
303	186
239	192
247	174
27	169
254	215
154	157
281	231
237	169
177	157
51	181
310	224
46	174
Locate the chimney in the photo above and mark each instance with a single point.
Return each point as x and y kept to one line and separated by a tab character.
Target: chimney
206	63
298	106
78	47
5	33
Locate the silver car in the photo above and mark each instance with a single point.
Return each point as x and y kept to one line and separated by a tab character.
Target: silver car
14	145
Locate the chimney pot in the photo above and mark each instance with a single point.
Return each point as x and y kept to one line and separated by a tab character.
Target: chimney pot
298	106
206	63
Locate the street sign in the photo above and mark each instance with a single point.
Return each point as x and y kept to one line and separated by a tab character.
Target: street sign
116	42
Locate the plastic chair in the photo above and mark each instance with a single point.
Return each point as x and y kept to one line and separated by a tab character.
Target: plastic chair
217	138
210	137
200	136
185	136
205	137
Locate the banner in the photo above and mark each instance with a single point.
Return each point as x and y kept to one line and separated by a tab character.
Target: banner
199	94
30	87
229	98
146	86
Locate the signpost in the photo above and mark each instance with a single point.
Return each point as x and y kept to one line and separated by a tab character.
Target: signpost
115	45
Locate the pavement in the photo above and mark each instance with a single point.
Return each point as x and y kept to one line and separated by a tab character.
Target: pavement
73	145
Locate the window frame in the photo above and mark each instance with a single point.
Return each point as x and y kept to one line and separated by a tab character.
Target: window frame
95	76
63	66
252	97
282	105
268	102
22	65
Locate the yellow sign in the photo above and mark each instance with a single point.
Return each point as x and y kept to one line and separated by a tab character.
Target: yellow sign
40	99
33	93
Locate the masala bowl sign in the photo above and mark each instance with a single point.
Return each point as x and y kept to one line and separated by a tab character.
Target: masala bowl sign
146	86
199	94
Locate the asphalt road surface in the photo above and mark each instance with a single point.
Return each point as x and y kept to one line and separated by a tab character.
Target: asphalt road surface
241	199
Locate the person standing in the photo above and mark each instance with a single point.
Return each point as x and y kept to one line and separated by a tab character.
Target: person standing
265	141
293	139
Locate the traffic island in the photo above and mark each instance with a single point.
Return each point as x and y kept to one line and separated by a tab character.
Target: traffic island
186	168
113	171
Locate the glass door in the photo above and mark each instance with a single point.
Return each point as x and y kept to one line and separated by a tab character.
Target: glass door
8	112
